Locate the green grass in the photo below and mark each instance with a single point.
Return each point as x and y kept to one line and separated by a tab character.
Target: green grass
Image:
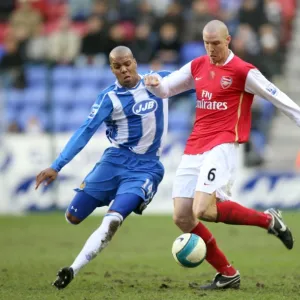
138	263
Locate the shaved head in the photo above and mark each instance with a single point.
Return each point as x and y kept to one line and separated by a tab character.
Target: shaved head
124	66
216	27
120	51
216	40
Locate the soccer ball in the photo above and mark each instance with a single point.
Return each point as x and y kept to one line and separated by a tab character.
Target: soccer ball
189	250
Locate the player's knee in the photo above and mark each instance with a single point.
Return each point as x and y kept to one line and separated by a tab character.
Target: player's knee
200	212
185	223
71	219
205	214
201	208
204	207
112	228
114	219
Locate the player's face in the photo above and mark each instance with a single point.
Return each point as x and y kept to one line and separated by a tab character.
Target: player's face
125	69
216	47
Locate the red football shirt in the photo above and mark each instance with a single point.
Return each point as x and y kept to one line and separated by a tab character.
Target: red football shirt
224	97
223	109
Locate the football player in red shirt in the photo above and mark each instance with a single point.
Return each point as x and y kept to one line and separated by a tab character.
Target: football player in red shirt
225	86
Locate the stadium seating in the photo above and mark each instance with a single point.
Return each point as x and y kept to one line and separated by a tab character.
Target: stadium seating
58	119
143	69
190	51
10	116
90	76
36	75
54	93
31	113
35	97
85	96
76	117
63	76
63	97
14	99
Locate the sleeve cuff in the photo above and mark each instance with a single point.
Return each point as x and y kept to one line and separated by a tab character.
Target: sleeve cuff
55	167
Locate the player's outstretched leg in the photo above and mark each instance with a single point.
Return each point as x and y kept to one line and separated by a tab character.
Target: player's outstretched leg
122	207
230	212
95	243
64	277
187	222
279	228
227	276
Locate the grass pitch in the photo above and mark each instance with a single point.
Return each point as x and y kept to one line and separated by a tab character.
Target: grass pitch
138	263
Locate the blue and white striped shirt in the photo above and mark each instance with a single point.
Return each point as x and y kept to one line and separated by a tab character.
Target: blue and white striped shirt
135	119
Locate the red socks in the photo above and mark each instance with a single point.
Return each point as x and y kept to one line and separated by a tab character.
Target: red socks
230	212
214	255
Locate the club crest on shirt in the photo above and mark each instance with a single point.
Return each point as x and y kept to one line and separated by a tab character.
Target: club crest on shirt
82	186
226	82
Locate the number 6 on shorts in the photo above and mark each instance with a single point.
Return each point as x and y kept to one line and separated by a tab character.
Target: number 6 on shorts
212	174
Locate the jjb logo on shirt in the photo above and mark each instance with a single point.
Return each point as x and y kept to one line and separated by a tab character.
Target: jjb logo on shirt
144	107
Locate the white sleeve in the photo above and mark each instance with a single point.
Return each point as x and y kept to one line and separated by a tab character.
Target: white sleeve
177	82
258	84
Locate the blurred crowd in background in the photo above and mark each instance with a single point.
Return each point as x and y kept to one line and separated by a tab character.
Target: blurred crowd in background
53	54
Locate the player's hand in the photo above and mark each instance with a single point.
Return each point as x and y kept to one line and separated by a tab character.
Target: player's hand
151	80
48	175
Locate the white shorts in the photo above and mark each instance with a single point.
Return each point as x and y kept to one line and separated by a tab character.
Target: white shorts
212	171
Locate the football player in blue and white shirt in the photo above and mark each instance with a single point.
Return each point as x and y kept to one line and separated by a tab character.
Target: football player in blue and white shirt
129	171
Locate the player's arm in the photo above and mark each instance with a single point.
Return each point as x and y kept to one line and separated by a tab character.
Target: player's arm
258	84
176	83
100	111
